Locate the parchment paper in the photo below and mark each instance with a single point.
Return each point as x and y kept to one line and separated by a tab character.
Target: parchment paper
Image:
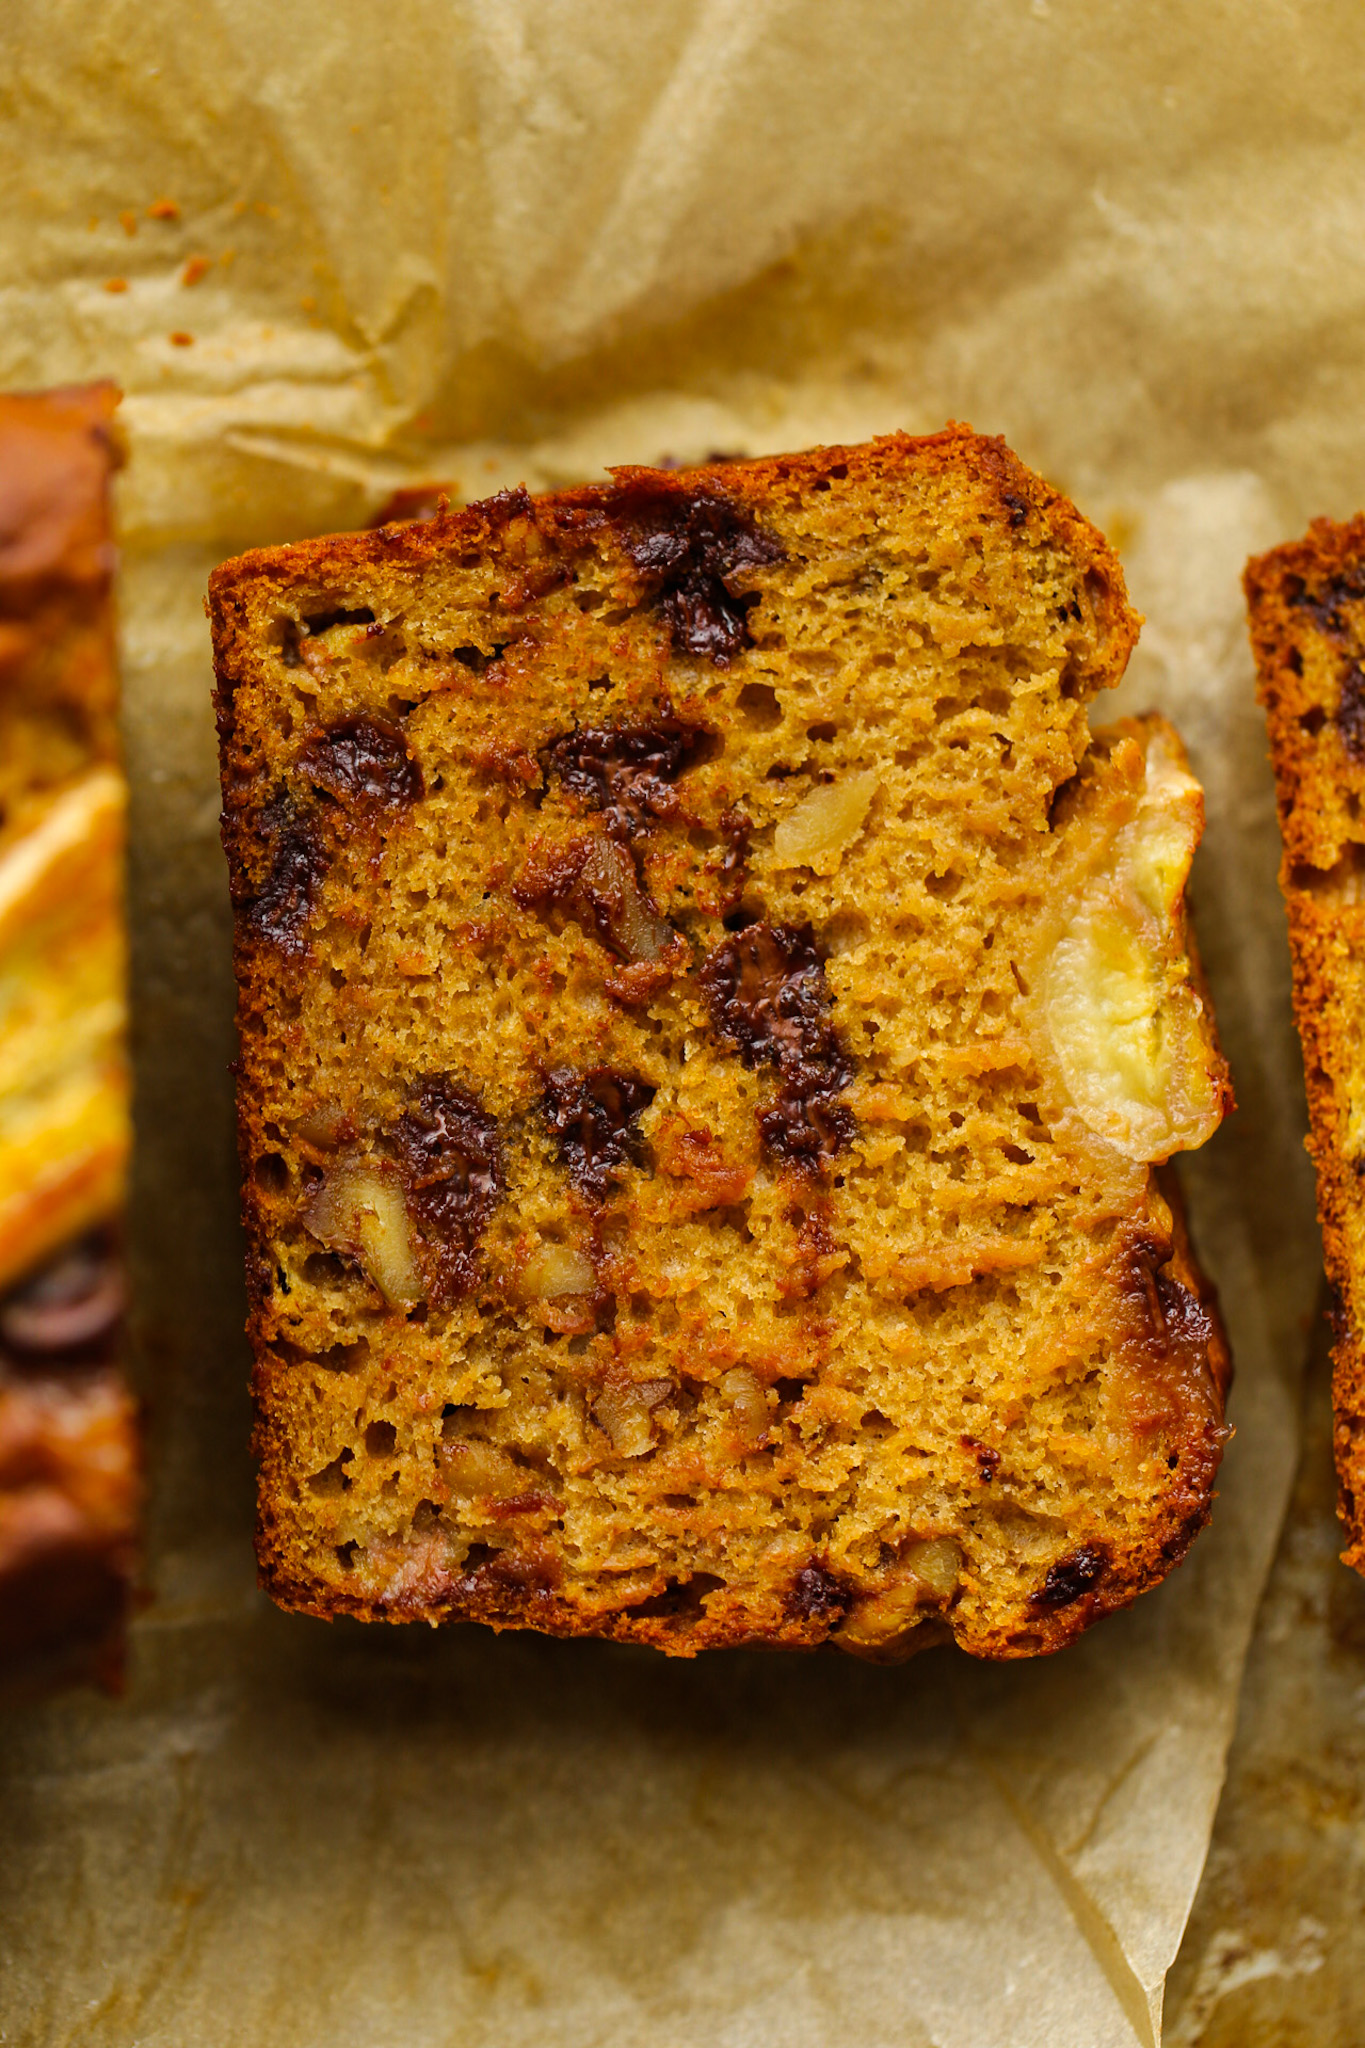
518	240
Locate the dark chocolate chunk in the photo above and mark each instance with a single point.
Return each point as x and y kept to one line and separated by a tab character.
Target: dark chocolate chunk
816	1596
689	548
804	1124
72	1301
504	506
1324	605
628	771
280	909
1171	1324
767	993
736	829
1071	1577
1188	1324
595	1116
987	1459
1018	509
363	761
450	1154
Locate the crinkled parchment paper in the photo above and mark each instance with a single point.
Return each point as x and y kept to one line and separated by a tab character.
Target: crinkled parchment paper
327	248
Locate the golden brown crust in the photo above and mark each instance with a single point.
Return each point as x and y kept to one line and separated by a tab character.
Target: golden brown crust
69	1467
1306	603
774	1391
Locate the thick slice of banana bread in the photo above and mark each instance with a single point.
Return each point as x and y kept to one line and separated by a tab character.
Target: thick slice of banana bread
709	1015
1306	602
68	1439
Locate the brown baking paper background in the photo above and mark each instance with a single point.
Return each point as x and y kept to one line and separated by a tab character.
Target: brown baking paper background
327	248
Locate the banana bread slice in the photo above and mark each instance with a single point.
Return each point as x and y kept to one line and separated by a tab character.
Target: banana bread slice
1306	602
709	1017
68	1438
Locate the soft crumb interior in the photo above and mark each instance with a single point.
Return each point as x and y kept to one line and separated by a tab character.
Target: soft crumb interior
900	1361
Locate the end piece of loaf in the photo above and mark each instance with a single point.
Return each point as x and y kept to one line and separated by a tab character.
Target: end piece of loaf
710	1017
1306	602
68	1440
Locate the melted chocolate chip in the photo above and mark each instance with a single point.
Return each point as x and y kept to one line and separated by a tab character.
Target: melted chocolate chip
595	1116
628	771
689	548
504	506
1071	1577
1188	1324
987	1459
1018	508
451	1158
69	1303
363	761
1350	712
1324	604
736	829
816	1596
280	909
804	1124
1171	1324
767	992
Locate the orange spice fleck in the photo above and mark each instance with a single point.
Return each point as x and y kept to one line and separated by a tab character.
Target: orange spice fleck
116	284
162	209
128	221
93	222
194	270
308	303
182	340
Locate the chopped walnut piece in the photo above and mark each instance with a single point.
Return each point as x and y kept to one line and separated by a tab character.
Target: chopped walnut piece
748	1400
556	1269
826	821
359	1211
471	1466
596	881
937	1564
624	1410
619	904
